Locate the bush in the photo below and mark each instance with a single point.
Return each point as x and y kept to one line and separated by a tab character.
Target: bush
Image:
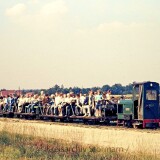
5	138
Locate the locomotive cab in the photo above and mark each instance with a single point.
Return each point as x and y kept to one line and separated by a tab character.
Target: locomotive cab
146	104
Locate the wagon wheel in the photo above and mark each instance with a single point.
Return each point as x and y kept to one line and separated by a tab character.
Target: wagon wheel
107	122
61	120
53	119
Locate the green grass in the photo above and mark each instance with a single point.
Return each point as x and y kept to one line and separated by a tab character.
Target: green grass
22	147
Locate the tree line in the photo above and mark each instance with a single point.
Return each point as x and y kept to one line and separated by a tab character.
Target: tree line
116	89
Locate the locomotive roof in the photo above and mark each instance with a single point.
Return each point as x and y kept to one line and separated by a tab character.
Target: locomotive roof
141	83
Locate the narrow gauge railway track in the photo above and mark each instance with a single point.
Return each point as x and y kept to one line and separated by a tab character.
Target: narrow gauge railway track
79	124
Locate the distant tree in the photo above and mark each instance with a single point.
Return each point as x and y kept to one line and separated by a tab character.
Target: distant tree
62	86
50	91
70	89
57	88
65	90
23	91
85	90
37	91
117	89
128	89
76	90
94	89
105	88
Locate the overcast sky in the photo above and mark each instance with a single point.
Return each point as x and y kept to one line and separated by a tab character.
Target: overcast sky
78	42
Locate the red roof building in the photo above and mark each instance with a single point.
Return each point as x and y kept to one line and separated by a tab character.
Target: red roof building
9	92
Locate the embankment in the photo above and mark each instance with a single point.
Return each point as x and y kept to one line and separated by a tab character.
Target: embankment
129	140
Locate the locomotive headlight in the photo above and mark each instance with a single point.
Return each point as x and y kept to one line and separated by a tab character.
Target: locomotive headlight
151	84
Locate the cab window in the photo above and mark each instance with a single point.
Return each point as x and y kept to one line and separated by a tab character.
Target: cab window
151	95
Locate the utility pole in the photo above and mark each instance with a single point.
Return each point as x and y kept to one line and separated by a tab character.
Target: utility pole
19	90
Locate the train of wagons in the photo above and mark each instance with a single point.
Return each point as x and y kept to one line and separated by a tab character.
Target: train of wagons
142	111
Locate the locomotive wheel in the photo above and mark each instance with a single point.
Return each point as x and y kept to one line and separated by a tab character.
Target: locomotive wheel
70	120
85	121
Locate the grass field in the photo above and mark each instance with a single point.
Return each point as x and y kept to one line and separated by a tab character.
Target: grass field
22	147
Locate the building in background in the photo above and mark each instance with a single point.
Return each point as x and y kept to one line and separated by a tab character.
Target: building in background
10	92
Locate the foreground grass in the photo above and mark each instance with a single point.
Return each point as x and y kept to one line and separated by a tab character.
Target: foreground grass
22	147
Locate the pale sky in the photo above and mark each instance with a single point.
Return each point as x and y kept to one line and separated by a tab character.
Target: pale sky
78	42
